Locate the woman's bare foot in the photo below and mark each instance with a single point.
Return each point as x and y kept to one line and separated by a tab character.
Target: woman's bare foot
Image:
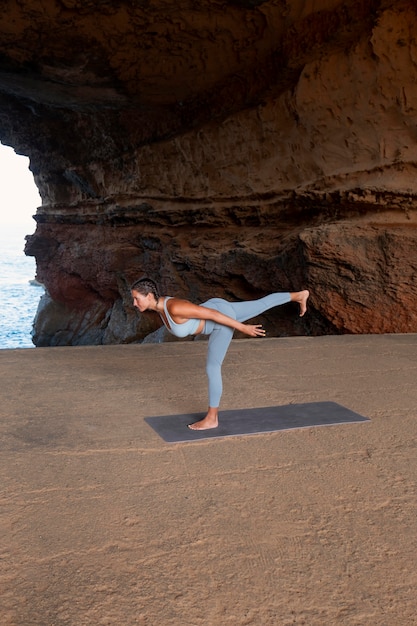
301	297
210	421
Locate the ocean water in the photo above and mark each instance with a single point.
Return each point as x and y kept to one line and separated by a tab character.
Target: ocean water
19	297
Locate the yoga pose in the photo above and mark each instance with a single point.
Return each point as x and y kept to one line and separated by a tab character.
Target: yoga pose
217	318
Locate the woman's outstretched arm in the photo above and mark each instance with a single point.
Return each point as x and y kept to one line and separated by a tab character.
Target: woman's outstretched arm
183	310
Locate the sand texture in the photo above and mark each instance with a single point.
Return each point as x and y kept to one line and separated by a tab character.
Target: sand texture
102	523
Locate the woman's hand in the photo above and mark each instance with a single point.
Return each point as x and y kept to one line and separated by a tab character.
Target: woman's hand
253	330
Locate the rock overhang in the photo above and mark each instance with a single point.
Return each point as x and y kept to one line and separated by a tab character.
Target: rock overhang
230	135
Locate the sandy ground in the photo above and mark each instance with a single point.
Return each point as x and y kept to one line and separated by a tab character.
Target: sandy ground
102	523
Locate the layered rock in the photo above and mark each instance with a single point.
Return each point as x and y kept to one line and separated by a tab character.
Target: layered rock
228	150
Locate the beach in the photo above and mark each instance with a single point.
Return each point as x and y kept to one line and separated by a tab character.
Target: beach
104	523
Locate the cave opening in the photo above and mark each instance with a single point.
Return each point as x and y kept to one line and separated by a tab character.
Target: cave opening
20	292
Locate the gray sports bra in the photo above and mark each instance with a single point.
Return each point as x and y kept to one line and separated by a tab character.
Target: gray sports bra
180	330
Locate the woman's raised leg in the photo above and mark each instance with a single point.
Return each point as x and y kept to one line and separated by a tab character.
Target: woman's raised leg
252	308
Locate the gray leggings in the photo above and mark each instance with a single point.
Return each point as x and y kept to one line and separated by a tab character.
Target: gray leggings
221	336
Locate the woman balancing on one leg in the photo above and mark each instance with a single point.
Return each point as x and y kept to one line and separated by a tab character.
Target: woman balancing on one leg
217	318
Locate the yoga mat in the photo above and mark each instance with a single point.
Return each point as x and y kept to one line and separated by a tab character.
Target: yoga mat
173	428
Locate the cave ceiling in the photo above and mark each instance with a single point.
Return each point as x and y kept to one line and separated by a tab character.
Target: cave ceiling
137	71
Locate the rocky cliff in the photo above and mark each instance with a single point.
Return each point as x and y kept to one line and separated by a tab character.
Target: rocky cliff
226	148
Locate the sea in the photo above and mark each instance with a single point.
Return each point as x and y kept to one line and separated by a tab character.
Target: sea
19	291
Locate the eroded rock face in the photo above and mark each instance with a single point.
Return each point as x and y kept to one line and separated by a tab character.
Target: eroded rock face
228	149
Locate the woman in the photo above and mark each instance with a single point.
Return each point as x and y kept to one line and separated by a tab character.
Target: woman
217	318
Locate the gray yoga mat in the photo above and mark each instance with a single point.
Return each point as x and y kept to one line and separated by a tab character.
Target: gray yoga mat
174	428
